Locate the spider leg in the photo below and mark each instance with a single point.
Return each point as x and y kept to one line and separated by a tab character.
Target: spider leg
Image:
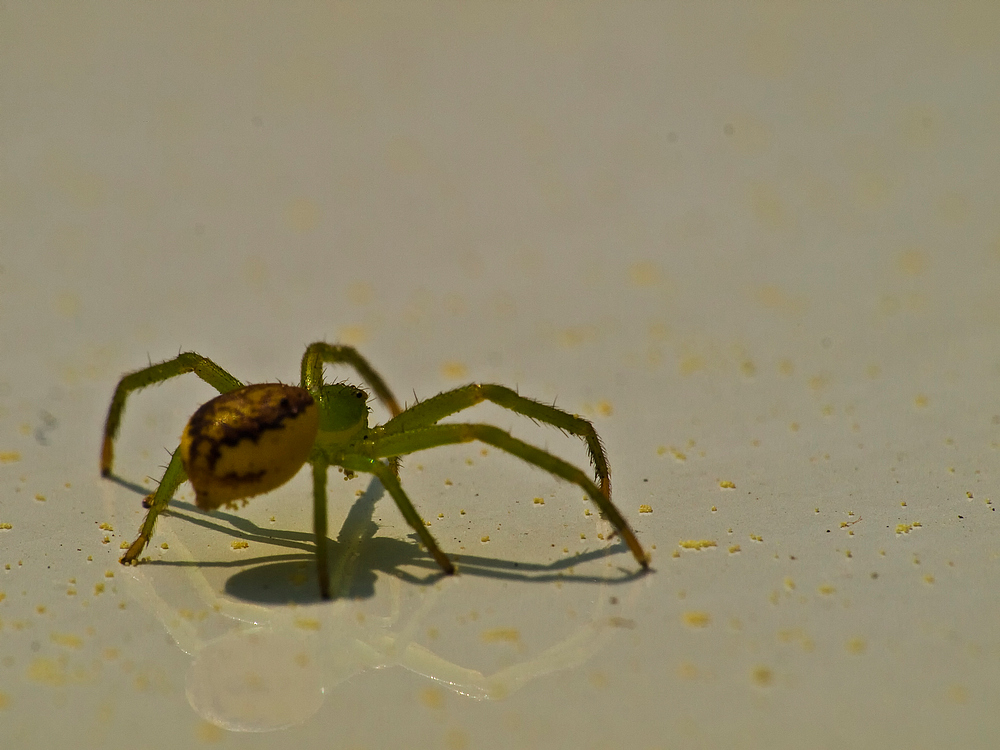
429	412
391	483
159	500
201	366
319	468
432	436
319	353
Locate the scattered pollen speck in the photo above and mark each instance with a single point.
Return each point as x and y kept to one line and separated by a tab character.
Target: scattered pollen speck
725	484
307	623
762	676
928	578
9	457
645	508
209	732
906	528
6	526
164	545
67	639
40	498
604	408
454	370
696	619
645	274
106	527
734	549
826	589
239	544
856	646
687	671
432	697
921	400
697	543
539	501
501	635
485	538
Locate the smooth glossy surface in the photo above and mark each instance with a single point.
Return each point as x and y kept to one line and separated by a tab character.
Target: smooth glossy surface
756	244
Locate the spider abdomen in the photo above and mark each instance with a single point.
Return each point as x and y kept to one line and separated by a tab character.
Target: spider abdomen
248	442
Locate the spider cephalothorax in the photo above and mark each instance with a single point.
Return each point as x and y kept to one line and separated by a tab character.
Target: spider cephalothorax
253	438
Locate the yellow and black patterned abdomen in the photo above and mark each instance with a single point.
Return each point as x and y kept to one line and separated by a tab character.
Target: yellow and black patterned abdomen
248	442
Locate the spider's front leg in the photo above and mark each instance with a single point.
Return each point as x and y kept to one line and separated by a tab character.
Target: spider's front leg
321	352
201	366
159	500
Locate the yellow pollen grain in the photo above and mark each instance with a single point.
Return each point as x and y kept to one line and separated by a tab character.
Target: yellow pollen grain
762	676
454	370
696	619
501	635
697	543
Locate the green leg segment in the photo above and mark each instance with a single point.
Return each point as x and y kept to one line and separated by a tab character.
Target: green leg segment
172	479
423	438
319	353
428	412
203	367
391	483
319	468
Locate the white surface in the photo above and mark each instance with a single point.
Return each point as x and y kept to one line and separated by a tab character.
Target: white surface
762	236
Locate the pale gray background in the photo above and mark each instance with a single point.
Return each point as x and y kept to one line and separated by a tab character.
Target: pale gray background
756	243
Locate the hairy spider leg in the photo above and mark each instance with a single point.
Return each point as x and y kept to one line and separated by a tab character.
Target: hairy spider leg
449	434
429	412
201	366
319	353
183	363
387	477
158	502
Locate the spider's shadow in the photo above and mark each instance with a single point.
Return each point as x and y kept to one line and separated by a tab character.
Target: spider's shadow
355	556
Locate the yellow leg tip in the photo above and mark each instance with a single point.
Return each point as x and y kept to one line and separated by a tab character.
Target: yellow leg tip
107	457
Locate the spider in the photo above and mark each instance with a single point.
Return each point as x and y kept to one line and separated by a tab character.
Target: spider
252	439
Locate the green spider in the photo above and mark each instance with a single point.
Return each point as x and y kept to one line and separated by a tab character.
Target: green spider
253	438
